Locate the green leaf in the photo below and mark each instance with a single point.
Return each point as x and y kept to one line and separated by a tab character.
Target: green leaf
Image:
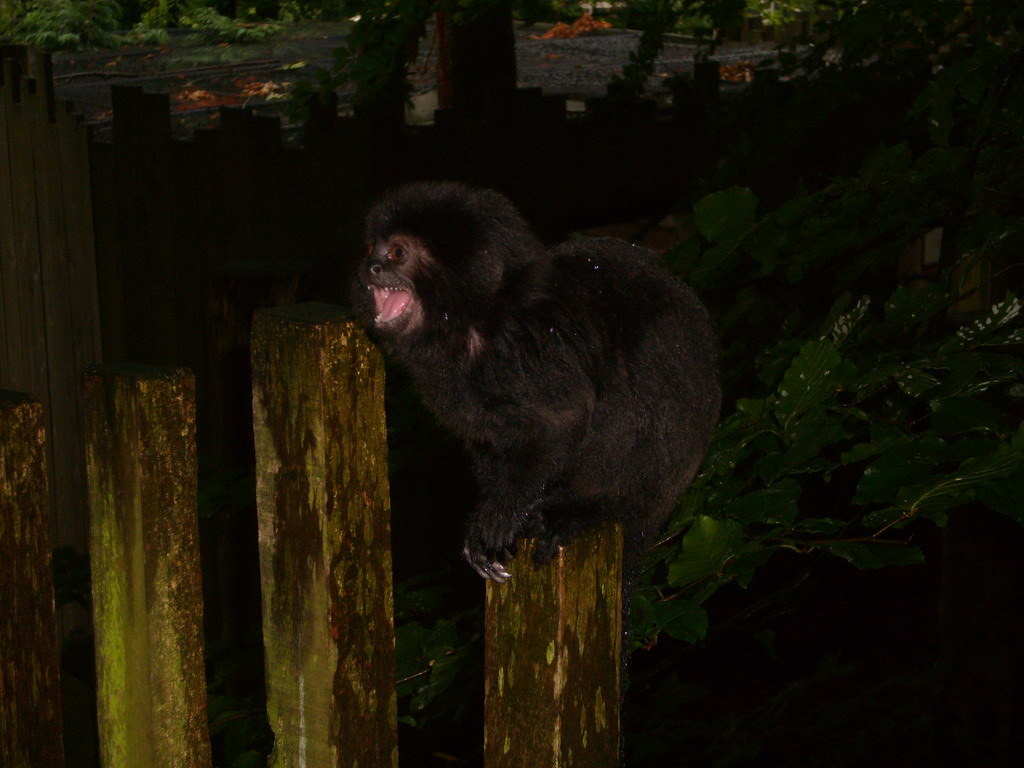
806	442
822	526
980	331
775	505
682	619
951	415
693	501
743	568
952	489
843	325
916	381
725	215
899	466
878	554
911	307
810	379
706	547
863	451
888	517
793	211
1005	496
974	372
762	245
443	673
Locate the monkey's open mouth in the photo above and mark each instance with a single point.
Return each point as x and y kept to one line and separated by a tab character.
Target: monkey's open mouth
391	303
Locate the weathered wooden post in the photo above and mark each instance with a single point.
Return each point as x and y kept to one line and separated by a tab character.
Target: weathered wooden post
552	661
30	728
147	602
325	541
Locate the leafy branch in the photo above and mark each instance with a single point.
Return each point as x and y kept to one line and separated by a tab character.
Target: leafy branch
858	407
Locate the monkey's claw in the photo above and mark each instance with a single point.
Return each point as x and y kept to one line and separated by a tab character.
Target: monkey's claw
493	571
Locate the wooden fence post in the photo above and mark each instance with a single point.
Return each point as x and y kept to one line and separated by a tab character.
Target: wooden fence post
30	727
551	662
147	599
325	541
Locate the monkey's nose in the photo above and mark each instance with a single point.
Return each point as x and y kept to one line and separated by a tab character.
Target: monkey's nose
376	269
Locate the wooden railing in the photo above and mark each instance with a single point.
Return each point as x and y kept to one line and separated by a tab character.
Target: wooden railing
553	634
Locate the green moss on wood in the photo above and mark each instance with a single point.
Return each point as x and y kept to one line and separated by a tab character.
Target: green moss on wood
325	553
147	605
552	659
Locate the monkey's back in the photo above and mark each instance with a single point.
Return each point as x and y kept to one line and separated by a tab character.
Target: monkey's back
655	375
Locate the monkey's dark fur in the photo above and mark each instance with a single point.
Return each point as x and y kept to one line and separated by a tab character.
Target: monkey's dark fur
582	379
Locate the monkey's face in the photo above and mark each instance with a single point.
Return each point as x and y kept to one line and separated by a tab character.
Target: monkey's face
438	261
388	278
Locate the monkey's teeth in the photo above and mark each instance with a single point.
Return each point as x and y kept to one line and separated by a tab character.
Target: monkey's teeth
391	302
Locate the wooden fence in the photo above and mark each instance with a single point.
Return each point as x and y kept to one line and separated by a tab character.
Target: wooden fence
169	244
49	321
552	635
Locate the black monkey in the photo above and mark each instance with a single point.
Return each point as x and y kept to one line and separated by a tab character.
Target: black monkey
583	379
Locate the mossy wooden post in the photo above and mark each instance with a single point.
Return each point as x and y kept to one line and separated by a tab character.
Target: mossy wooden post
147	603
325	540
30	729
552	661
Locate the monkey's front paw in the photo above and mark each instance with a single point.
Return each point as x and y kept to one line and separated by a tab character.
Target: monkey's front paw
489	569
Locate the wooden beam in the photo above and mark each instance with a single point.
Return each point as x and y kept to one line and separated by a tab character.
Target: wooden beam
30	726
552	659
325	540
147	597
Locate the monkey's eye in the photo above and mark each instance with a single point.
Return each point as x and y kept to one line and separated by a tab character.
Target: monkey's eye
397	253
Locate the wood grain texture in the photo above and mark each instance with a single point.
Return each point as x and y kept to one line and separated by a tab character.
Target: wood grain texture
30	726
147	598
552	661
325	548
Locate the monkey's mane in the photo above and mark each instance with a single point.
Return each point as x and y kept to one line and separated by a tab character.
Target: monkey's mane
456	223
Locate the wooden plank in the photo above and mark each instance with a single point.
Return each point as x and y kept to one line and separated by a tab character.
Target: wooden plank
79	235
82	299
30	726
8	316
325	542
107	237
237	155
140	149
174	291
552	659
236	292
147	604
59	325
25	365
